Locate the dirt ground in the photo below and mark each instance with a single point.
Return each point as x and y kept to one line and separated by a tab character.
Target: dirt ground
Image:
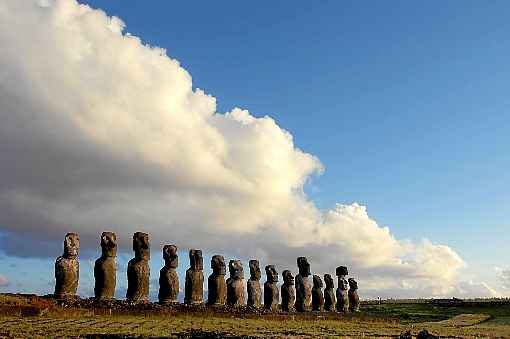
27	316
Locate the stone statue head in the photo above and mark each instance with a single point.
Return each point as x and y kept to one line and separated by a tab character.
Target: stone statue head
255	273
353	285
235	267
170	256
272	275
341	271
195	260
329	281
71	246
317	281
304	266
218	265
141	246
343	284
288	278
108	244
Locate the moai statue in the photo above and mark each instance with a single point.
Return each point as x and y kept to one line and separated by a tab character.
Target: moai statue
253	285
288	292
317	296
138	271
303	286
105	268
194	286
235	284
329	294
342	297
216	283
271	294
67	268
168	277
353	296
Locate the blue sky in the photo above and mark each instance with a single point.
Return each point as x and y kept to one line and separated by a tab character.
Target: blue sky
405	104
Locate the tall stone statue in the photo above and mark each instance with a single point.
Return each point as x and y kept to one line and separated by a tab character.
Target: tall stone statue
168	277
194	286
317	296
303	286
353	296
105	268
271	294
217	294
329	294
253	285
67	268
235	284
342	297
288	292
138	271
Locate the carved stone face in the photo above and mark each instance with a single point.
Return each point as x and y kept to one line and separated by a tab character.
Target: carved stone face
317	281
272	275
255	273
329	281
304	266
353	284
170	256
288	278
71	245
109	244
195	260
343	284
235	267
341	271
218	265
141	246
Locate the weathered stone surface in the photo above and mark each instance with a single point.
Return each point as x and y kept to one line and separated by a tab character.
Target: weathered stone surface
424	334
288	292
271	294
317	296
353	296
168	277
253	285
235	284
138	271
303	286
105	268
67	268
342	297
217	286
329	294
194	285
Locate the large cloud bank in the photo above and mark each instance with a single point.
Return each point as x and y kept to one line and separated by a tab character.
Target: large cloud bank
99	131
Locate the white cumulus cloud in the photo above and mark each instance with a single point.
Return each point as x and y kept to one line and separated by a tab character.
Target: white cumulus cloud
99	131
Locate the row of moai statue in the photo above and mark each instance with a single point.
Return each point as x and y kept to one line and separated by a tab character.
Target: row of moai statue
297	294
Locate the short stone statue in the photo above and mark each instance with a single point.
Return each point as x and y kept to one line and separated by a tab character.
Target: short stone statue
329	294
253	285
353	296
217	287
342	297
138	271
168	277
235	284
288	292
303	286
194	285
271	294
317	296
105	268
67	268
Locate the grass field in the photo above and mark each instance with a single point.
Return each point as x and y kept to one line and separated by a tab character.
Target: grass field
43	319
